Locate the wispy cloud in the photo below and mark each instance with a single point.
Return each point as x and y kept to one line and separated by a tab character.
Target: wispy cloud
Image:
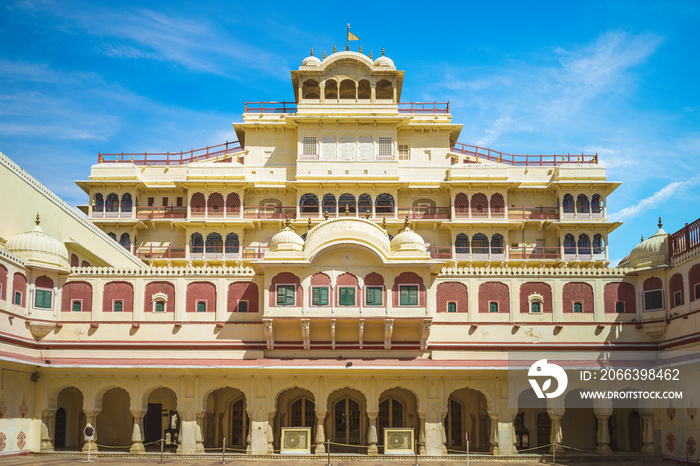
653	201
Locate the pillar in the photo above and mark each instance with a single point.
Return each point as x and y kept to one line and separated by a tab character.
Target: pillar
555	435
647	434
372	435
421	434
136	433
494	434
198	437
320	434
46	417
270	433
602	415
90	420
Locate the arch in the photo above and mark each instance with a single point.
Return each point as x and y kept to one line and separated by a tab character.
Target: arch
408	278
112	235
479	205
99	203
310	89
118	292
652	283
466	408
584	245
308	204
233	203
424	208
85	263
160	402
347	200
214	244
675	287
480	244
74	260
582	205
397	407
568	204
494	292
329	204
384	204
68	431
243	292
295	406
461	204
198	203
19	285
364	203
596	204
578	292
569	244
497	203
43	282
462	244
320	278
112	203
126	202
232	245
598	244
452	292
198	293
215	203
3	282
497	244
364	90
348	419
347	286
384	90
374	279
196	243
114	422
620	298
538	289
226	412
348	89
578	424
285	278
694	282
125	241
73	292
166	289
331	89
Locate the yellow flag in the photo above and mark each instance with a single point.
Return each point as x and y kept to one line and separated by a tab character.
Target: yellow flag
352	36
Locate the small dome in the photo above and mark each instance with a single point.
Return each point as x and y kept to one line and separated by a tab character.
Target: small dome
286	240
650	252
384	62
311	60
408	240
39	248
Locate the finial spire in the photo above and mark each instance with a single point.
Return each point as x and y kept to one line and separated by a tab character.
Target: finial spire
382	51
325	215
288	223
38	220
406	225
324	54
347	46
384	223
642	240
360	48
312	51
333	48
368	213
309	225
660	223
370	54
347	210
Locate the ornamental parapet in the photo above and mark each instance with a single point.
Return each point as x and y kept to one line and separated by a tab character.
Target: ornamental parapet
164	271
534	272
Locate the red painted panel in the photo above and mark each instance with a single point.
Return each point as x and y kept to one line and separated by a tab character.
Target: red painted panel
494	291
43	282
578	292
320	278
694	279
159	287
623	292
19	283
346	279
200	291
3	282
676	284
246	291
543	289
408	278
652	283
374	279
76	290
452	292
118	291
285	278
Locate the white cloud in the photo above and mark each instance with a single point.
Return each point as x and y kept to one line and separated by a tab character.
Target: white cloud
653	201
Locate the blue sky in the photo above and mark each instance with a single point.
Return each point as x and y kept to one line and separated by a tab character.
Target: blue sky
616	78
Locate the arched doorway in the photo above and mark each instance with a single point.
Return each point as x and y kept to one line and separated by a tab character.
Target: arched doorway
398	407
578	425
115	423
544	429
226	418
70	420
467	412
162	419
347	429
295	408
635	428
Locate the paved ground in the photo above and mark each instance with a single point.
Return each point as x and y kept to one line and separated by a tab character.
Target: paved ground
62	461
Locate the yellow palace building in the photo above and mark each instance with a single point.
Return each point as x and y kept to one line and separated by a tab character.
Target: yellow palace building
346	268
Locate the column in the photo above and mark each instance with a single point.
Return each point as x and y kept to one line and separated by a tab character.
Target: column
46	416
198	437
136	436
372	434
90	420
602	414
249	438
270	432
421	434
320	434
647	434
494	434
555	435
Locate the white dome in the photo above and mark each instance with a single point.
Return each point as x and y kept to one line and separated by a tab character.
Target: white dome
39	249
650	252
286	240
311	61
384	62
408	240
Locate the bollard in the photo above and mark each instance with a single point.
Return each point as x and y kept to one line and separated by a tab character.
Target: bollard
417	447
328	450
162	440
554	453
223	451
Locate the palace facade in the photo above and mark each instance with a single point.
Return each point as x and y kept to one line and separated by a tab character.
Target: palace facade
346	266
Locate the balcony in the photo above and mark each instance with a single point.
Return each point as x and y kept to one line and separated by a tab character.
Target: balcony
271	107
160	252
535	213
424	107
112	214
200	253
417	213
478	214
582	214
173	158
152	213
518	160
503	253
580	254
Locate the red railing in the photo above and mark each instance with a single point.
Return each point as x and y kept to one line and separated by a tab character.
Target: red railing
172	158
520	160
684	240
424	107
534	253
535	213
271	107
426	213
260	212
158	252
150	213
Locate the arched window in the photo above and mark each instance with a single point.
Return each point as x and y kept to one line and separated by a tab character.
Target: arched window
384	204
310	90
347	201
598	244
125	241
348	89
364	203
364	90
347	416
497	204
126	202
497	244
453	424
233	203
303	413
309	204
331	90
198	203
461	204
214	243
480	205
99	203
462	244
480	244
584	244
424	208
197	243
112	203
582	205
596	206
215	203
568	204
112	235
391	414
329	204
569	244
385	90
232	243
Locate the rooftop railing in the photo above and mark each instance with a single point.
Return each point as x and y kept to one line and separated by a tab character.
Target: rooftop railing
424	107
684	240
291	107
270	107
519	160
172	158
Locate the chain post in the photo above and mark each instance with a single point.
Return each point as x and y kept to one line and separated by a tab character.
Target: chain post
223	451
162	441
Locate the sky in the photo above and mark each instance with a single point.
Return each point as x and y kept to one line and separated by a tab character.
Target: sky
614	78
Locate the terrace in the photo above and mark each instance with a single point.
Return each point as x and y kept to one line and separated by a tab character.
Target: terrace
517	160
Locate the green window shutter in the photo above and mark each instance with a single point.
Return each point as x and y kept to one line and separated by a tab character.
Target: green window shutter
201	306
242	306
316	296
76	306
451	307
42	299
403	291
18	298
160	306
323	296
578	307
535	307
281	294
342	299
369	296
287	298
117	306
351	297
493	307
620	307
